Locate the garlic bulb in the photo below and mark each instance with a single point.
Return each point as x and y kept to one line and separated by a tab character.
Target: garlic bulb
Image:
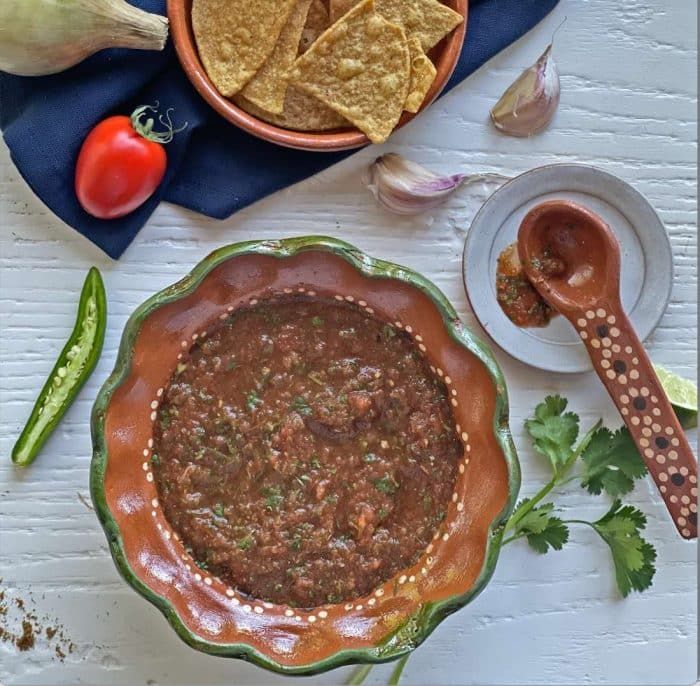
404	187
39	37
530	102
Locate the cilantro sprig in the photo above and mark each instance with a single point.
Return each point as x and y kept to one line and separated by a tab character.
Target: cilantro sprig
608	462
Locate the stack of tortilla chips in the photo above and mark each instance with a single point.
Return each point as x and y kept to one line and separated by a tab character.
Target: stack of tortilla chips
318	65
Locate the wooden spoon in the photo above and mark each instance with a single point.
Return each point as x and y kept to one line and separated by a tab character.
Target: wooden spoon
573	259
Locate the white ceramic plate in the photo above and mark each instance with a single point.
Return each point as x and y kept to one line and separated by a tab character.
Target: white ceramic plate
647	260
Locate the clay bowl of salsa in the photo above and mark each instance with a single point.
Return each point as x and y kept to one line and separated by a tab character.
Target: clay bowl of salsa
302	456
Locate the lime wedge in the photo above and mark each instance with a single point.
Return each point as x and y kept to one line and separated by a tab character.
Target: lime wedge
683	395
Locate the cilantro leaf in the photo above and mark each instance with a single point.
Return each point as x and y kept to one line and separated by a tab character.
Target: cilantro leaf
543	530
611	463
554	432
387	484
252	401
633	556
300	405
218	510
245	542
273	497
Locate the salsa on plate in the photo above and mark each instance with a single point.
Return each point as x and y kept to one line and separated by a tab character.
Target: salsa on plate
518	298
305	452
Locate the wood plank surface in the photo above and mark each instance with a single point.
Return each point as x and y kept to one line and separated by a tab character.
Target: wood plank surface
628	105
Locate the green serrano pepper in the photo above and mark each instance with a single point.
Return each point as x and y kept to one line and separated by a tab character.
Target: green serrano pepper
72	369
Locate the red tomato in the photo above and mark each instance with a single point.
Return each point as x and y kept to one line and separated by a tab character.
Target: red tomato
120	165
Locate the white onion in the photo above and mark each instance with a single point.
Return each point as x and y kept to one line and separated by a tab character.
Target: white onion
39	37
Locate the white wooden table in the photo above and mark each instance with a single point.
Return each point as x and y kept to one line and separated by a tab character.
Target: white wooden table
629	106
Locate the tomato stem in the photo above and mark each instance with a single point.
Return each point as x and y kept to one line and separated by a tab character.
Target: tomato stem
145	128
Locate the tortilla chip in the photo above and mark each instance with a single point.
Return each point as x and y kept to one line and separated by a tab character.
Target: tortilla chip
302	112
316	23
269	86
361	68
430	20
235	37
340	7
423	74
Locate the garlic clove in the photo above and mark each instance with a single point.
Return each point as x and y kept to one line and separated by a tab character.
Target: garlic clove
530	102
404	187
407	188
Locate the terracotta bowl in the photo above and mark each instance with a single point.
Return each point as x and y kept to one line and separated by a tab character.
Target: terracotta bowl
444	55
206	613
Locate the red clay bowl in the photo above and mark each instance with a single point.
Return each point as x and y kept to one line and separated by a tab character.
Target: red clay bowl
444	55
209	615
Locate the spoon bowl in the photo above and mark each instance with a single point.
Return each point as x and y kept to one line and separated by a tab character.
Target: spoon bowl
572	258
571	253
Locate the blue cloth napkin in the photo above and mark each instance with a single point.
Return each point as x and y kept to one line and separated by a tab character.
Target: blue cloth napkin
213	167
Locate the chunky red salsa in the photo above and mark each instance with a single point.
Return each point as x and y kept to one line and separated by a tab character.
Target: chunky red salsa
518	298
305	452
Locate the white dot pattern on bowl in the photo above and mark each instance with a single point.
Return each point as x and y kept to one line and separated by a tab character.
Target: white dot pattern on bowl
240	600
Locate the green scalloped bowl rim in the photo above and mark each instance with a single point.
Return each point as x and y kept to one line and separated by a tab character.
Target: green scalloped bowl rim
421	624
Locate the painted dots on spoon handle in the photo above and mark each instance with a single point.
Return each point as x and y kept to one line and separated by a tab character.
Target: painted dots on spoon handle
621	362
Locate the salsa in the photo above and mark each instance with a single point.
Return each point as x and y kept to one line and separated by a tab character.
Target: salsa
518	298
305	452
